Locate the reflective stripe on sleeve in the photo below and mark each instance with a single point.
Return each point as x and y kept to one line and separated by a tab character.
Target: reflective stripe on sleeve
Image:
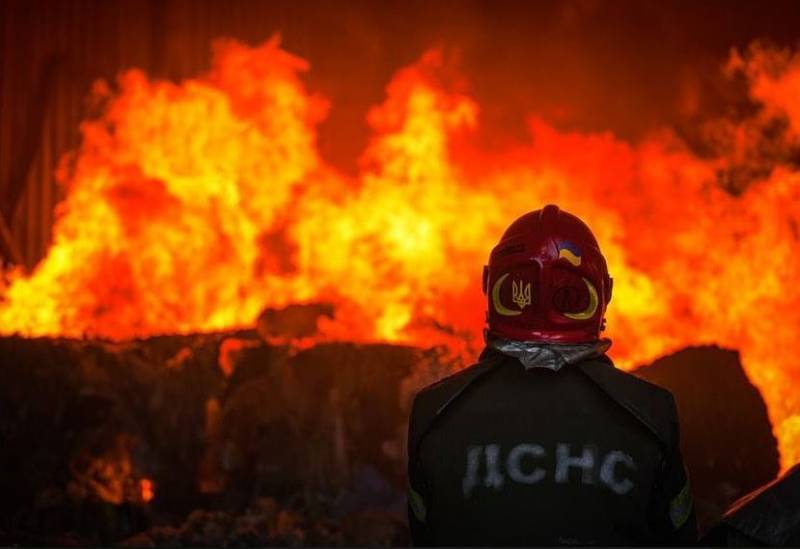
417	504
681	507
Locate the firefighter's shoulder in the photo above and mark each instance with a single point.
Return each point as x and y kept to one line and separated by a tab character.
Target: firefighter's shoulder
434	398
653	405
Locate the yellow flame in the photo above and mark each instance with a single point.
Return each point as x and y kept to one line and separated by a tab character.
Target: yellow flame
192	206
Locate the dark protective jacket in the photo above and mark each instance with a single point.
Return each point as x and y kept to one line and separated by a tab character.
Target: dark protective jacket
768	516
501	455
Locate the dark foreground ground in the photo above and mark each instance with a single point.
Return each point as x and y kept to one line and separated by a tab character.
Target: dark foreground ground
224	439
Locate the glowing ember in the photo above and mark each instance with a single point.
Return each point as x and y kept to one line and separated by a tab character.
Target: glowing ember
147	490
192	206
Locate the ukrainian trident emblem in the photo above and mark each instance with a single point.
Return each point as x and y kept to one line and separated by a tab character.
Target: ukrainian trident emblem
521	293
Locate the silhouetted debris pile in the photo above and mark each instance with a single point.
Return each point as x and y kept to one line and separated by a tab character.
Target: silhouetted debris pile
239	439
769	516
293	321
726	436
213	422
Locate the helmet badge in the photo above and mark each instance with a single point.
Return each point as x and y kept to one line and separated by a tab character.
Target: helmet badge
521	295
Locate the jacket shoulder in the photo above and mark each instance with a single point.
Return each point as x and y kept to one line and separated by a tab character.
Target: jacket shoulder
431	401
652	405
432	398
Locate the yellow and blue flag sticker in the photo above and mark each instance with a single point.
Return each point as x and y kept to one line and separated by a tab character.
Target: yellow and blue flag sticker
569	251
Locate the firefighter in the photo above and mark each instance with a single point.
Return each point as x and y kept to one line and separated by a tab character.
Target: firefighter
543	441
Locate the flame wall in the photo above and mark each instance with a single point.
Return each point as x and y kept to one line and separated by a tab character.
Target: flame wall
591	65
192	206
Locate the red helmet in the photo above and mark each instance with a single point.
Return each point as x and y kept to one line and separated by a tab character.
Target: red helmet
547	280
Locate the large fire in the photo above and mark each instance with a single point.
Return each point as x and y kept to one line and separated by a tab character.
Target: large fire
193	206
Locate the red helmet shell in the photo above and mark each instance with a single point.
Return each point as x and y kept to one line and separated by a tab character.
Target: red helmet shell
547	280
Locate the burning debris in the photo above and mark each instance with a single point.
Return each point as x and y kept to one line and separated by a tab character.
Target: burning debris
145	432
157	237
138	405
225	439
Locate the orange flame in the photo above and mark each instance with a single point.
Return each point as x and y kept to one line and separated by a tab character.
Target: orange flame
192	206
147	490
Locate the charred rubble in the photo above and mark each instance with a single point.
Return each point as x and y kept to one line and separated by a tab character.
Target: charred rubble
765	517
726	438
225	439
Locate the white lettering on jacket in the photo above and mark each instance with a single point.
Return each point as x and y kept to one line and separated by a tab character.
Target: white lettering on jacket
527	463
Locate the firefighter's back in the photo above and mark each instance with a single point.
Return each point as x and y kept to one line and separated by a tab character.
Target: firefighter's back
538	457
